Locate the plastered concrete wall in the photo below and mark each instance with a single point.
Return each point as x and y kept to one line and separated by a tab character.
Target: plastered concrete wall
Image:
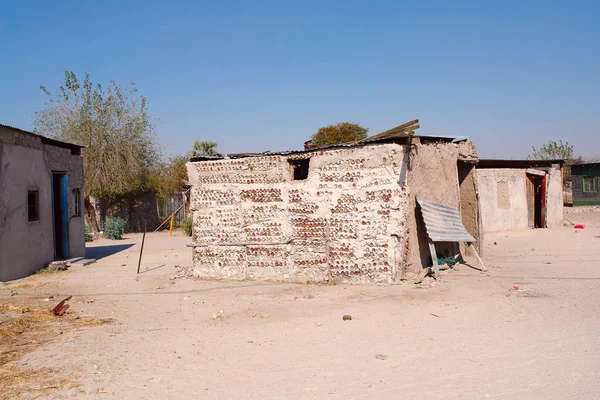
554	199
503	199
503	195
27	164
347	220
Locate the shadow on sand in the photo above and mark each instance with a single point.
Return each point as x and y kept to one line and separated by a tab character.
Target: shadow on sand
99	252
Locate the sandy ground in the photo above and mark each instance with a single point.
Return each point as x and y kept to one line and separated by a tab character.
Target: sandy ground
470	335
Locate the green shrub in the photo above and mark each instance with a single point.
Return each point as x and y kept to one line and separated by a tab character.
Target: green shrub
88	233
188	226
113	228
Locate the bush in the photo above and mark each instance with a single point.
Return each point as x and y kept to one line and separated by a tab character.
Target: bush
113	228
188	226
88	233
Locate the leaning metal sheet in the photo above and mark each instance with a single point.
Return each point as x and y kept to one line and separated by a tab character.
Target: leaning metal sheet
443	223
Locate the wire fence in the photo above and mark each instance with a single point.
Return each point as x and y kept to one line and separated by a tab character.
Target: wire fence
172	204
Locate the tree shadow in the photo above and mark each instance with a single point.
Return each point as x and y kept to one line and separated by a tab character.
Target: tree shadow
99	252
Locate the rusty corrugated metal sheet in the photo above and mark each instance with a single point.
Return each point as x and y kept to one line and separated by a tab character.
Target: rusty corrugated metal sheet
443	223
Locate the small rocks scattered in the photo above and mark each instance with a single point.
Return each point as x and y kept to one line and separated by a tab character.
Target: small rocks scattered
219	315
381	356
347	317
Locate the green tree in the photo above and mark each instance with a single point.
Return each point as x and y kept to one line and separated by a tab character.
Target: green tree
113	123
343	132
553	151
203	148
558	151
172	177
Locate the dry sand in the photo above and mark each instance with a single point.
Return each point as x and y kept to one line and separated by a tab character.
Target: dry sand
470	335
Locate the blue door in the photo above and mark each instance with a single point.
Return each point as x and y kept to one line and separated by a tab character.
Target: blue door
60	215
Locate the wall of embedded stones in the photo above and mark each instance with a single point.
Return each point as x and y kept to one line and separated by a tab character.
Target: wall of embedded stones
346	220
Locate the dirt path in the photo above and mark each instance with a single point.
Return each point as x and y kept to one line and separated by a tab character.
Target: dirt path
469	336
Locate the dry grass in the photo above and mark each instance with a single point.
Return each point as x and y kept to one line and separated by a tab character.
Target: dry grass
23	328
17	383
30	283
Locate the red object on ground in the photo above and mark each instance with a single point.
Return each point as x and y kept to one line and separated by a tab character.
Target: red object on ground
61	307
579	226
515	288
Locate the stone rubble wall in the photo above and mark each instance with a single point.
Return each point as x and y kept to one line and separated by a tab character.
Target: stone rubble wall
347	220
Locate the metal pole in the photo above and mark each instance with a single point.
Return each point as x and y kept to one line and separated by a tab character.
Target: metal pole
168	219
142	249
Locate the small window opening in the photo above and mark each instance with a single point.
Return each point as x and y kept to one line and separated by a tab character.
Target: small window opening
76	202
299	169
33	213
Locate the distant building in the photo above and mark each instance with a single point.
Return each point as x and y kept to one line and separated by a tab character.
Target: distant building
585	183
520	194
41	202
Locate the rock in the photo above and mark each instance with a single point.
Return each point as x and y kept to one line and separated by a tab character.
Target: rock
13	293
347	317
381	356
424	272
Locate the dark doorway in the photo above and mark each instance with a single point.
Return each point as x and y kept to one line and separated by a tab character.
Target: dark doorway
299	169
536	193
60	214
469	201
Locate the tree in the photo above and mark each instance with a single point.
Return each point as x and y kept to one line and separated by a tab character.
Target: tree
203	148
343	132
113	123
172	174
558	151
553	151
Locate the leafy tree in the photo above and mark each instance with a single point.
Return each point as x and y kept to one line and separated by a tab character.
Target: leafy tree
113	123
203	148
558	151
343	132
553	151
172	175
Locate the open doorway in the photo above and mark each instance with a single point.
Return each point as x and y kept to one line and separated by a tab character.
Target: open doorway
60	215
536	200
469	200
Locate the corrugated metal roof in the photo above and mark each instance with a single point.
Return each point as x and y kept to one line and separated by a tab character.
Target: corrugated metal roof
443	223
47	140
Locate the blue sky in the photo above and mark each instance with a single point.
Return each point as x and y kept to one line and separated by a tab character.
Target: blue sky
257	76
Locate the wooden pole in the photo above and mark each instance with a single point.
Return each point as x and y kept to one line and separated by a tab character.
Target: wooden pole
478	258
142	249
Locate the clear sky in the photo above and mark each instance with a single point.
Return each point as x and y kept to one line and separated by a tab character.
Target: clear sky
257	76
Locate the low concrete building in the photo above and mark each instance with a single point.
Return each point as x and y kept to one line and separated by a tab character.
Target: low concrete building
520	194
41	202
585	183
346	212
